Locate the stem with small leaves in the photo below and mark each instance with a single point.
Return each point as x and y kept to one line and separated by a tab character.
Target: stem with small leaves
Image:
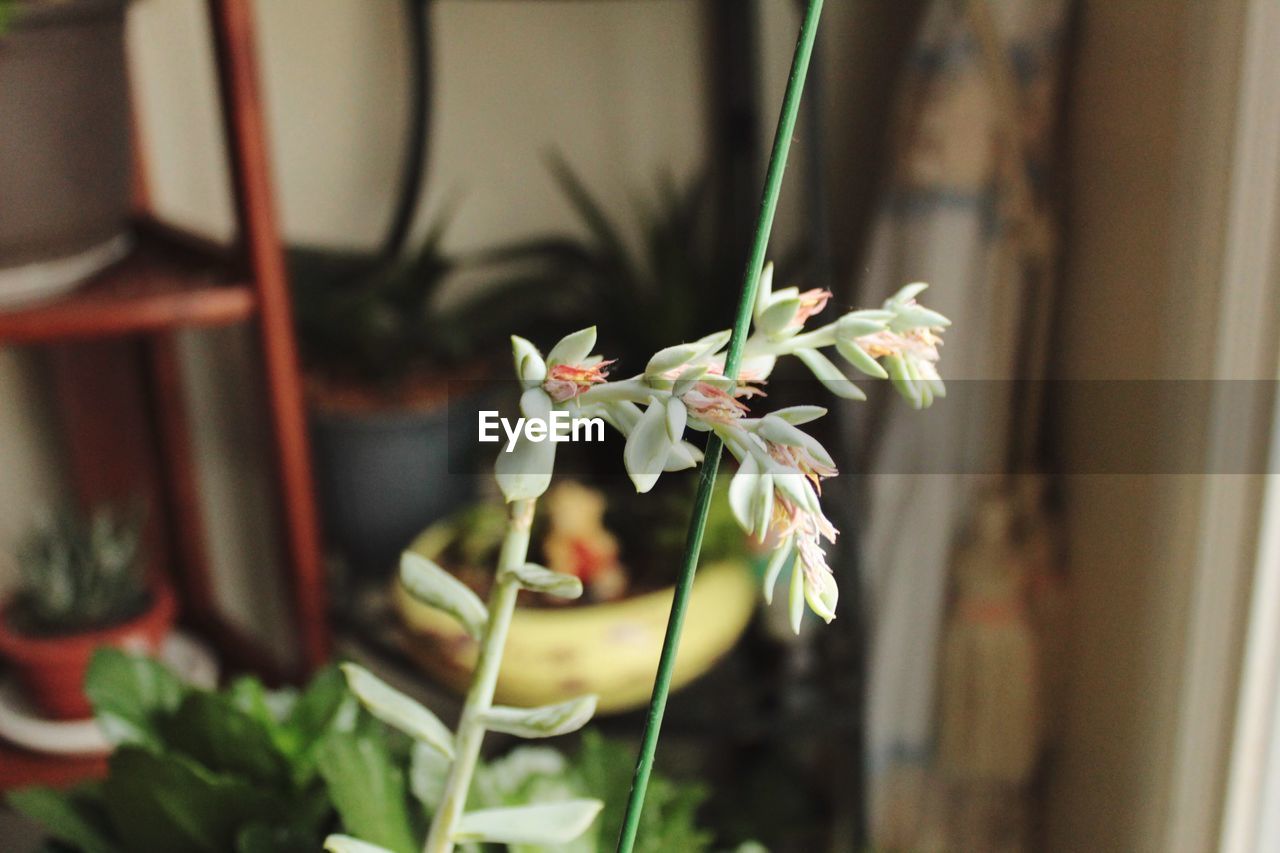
471	729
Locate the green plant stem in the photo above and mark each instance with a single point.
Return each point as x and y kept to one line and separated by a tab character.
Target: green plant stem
706	483
470	735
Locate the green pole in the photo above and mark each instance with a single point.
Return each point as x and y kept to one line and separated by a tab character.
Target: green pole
706	483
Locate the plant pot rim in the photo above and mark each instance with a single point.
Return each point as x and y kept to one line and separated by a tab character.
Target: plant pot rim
323	399
431	541
34	14
18	646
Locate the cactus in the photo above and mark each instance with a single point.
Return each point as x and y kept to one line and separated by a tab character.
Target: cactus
80	574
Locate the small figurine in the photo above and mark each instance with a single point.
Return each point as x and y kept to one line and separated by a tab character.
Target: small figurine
578	544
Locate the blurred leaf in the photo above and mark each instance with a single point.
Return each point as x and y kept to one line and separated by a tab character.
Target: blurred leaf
798	415
209	729
777	562
428	772
860	359
268	838
540	579
398	710
172	803
551	823
129	693
347	844
743	489
778	316
669	820
368	790
587	207
544	721
432	585
75	817
795	601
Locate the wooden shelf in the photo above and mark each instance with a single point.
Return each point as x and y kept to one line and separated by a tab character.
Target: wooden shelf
170	280
122	401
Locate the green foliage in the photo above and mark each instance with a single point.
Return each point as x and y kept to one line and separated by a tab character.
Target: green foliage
244	769
368	789
377	323
371	322
80	574
676	283
669	820
602	769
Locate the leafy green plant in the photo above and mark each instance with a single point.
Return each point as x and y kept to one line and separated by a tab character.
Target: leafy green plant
646	295
273	771
80	574
540	774
245	769
379	324
606	767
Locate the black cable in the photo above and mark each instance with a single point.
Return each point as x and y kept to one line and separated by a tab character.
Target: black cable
417	15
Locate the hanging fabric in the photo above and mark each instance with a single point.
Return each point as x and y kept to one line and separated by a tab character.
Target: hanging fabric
966	209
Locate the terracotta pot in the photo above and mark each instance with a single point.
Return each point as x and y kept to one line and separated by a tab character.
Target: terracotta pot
51	669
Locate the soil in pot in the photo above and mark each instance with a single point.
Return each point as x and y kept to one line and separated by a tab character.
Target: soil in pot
51	669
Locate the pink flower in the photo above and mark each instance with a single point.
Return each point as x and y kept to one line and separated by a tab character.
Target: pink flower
808	530
567	381
802	459
713	404
921	343
811	302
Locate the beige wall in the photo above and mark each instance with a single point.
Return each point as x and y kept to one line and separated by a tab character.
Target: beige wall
1150	154
29	475
1128	89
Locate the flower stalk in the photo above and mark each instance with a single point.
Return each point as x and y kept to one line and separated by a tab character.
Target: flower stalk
706	484
471	728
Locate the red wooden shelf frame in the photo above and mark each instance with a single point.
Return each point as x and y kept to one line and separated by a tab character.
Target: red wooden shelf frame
168	281
116	378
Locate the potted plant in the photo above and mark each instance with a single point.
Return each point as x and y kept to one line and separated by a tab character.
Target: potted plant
607	642
644	297
64	129
274	771
391	356
82	587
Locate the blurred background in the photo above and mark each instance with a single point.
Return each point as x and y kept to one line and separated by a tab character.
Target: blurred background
1055	630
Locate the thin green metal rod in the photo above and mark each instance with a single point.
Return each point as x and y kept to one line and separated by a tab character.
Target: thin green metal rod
711	465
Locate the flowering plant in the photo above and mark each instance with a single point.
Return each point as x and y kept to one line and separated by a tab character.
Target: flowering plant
775	497
775	493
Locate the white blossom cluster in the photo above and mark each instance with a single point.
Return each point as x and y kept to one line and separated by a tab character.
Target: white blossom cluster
775	492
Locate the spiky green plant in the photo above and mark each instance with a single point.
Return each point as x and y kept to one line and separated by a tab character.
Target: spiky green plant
80	574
